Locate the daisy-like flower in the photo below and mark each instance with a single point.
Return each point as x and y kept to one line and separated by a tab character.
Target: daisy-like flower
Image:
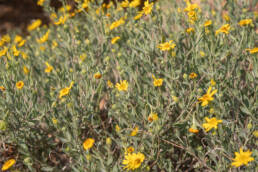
3	52
122	86
117	23
223	29
190	30
2	88
157	82
88	143
133	161
44	38
206	98
193	75
97	75
135	3
113	41
8	164
153	117
246	22
48	68
26	70
253	50
34	25
207	23
134	132
242	158
19	85
211	123
65	91
167	46
129	150
147	7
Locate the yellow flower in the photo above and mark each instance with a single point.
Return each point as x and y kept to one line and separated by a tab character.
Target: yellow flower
207	23
167	46
157	82
26	70
117	23
134	132
246	22
117	128
202	54
17	39
61	20
190	30
226	17
19	85
242	158
251	51
97	75
54	44
211	123
40	2
34	25
15	51
193	130
115	39
108	141
139	15
109	84
88	143
193	75
83	57
124	4
175	99
65	91
153	117
54	121
213	83
223	29
2	88
48	68
3	52
129	150
191	7
255	133
206	98
22	43
24	55
5	39
8	164
122	86
135	3
147	7
44	38
133	161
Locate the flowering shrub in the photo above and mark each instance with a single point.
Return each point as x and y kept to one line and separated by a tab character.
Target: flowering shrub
171	87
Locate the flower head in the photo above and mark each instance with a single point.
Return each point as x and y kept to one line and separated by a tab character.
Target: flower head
246	22
44	38
88	143
133	161
2	88
157	82
153	117
8	164
117	23
242	158
19	84
134	132
211	123
207	23
147	7
206	98
167	46
122	86
193	130
65	91
113	41
193	75
129	150
97	75
223	29
34	25
48	68
253	50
